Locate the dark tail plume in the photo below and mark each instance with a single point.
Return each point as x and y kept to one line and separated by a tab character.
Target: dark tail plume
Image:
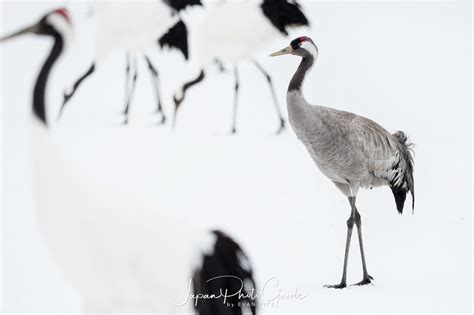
406	171
227	268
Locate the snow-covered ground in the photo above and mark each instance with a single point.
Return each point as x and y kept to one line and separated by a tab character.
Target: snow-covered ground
405	65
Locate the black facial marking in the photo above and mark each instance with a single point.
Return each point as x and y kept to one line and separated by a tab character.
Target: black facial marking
295	44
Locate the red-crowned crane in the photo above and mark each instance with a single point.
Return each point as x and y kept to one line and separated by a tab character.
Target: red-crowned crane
351	150
234	32
120	252
133	27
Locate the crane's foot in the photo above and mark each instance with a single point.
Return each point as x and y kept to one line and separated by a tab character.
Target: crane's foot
282	126
125	121
163	117
162	121
233	131
367	280
341	285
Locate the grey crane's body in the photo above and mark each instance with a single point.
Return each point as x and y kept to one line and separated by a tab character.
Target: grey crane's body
349	149
352	151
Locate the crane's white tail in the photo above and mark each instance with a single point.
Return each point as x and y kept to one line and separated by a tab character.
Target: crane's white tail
176	37
403	182
226	269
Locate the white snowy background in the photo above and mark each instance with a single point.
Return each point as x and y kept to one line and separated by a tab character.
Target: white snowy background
406	65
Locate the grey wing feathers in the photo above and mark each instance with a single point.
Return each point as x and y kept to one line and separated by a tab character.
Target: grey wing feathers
390	157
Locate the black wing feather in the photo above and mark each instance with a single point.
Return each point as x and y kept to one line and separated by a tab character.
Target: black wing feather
224	262
179	5
176	37
284	13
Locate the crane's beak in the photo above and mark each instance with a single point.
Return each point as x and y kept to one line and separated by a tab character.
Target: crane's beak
31	29
285	51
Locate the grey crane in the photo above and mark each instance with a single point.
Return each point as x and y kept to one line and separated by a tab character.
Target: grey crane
351	150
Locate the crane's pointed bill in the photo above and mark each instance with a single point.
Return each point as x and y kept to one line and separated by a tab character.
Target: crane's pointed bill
285	51
30	29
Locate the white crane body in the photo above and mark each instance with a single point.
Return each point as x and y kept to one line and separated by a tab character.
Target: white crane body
132	26
121	252
235	31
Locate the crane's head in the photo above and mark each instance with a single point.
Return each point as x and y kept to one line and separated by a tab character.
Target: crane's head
302	46
55	22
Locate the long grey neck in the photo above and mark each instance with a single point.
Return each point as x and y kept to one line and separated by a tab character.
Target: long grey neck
296	83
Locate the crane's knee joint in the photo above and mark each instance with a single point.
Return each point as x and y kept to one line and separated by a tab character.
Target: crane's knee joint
236	86
350	222
269	79
177	101
357	219
178	97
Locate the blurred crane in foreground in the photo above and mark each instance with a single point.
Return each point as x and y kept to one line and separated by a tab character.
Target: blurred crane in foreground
351	150
121	253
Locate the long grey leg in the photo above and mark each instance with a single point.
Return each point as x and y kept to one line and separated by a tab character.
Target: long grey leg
350	226
132	89
366	277
275	100
236	97
156	86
